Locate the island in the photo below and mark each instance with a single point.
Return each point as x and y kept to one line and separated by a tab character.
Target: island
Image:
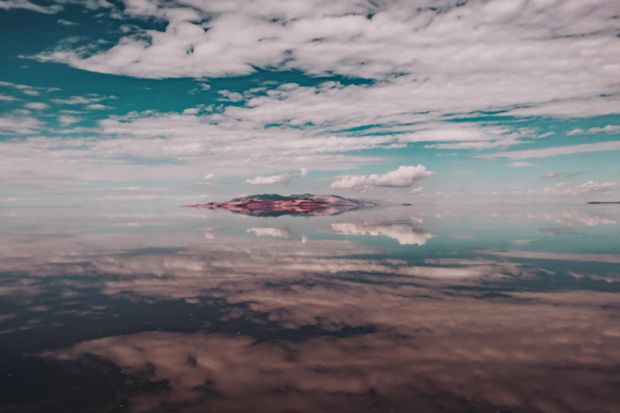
603	202
273	205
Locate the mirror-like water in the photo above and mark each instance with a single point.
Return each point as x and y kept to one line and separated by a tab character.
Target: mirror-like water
390	309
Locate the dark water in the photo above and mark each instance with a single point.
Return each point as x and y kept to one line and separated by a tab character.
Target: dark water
416	309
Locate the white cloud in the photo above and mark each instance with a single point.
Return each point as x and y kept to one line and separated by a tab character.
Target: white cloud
97	106
209	177
404	176
28	5
542	57
563	189
520	164
555	175
36	106
64	22
66	120
282	179
611	129
556	151
572	189
18	124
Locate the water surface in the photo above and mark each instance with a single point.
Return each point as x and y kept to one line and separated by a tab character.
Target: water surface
418	308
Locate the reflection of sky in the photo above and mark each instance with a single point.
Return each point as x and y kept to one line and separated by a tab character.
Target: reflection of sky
450	309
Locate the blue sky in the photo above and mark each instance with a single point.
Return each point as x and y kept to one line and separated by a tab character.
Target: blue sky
420	101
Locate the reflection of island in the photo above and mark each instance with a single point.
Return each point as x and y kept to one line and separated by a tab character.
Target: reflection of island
273	205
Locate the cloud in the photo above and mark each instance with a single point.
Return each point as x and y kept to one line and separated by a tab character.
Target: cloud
490	54
18	123
564	189
282	179
66	120
554	175
571	189
36	105
611	129
555	151
520	165
64	22
29	5
404	176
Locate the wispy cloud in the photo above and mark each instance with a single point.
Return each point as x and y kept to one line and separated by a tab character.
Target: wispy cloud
29	5
555	175
555	151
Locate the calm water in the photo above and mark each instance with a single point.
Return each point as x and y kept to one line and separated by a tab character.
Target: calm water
408	309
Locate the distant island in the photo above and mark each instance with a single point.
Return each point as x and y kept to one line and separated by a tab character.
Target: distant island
603	202
273	205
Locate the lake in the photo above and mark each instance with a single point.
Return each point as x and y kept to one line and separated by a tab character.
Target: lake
390	309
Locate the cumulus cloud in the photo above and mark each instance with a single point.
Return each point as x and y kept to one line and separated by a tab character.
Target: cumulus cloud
404	176
282	179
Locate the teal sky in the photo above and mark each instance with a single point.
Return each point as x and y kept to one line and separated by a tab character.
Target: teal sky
421	101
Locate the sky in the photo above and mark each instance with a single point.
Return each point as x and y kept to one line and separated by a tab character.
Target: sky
184	101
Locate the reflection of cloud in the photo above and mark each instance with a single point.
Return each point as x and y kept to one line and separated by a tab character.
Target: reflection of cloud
605	258
495	354
405	234
270	232
330	326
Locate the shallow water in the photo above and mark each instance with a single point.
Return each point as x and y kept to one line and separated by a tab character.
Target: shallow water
404	309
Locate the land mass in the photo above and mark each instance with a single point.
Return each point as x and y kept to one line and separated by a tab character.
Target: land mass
273	205
603	202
